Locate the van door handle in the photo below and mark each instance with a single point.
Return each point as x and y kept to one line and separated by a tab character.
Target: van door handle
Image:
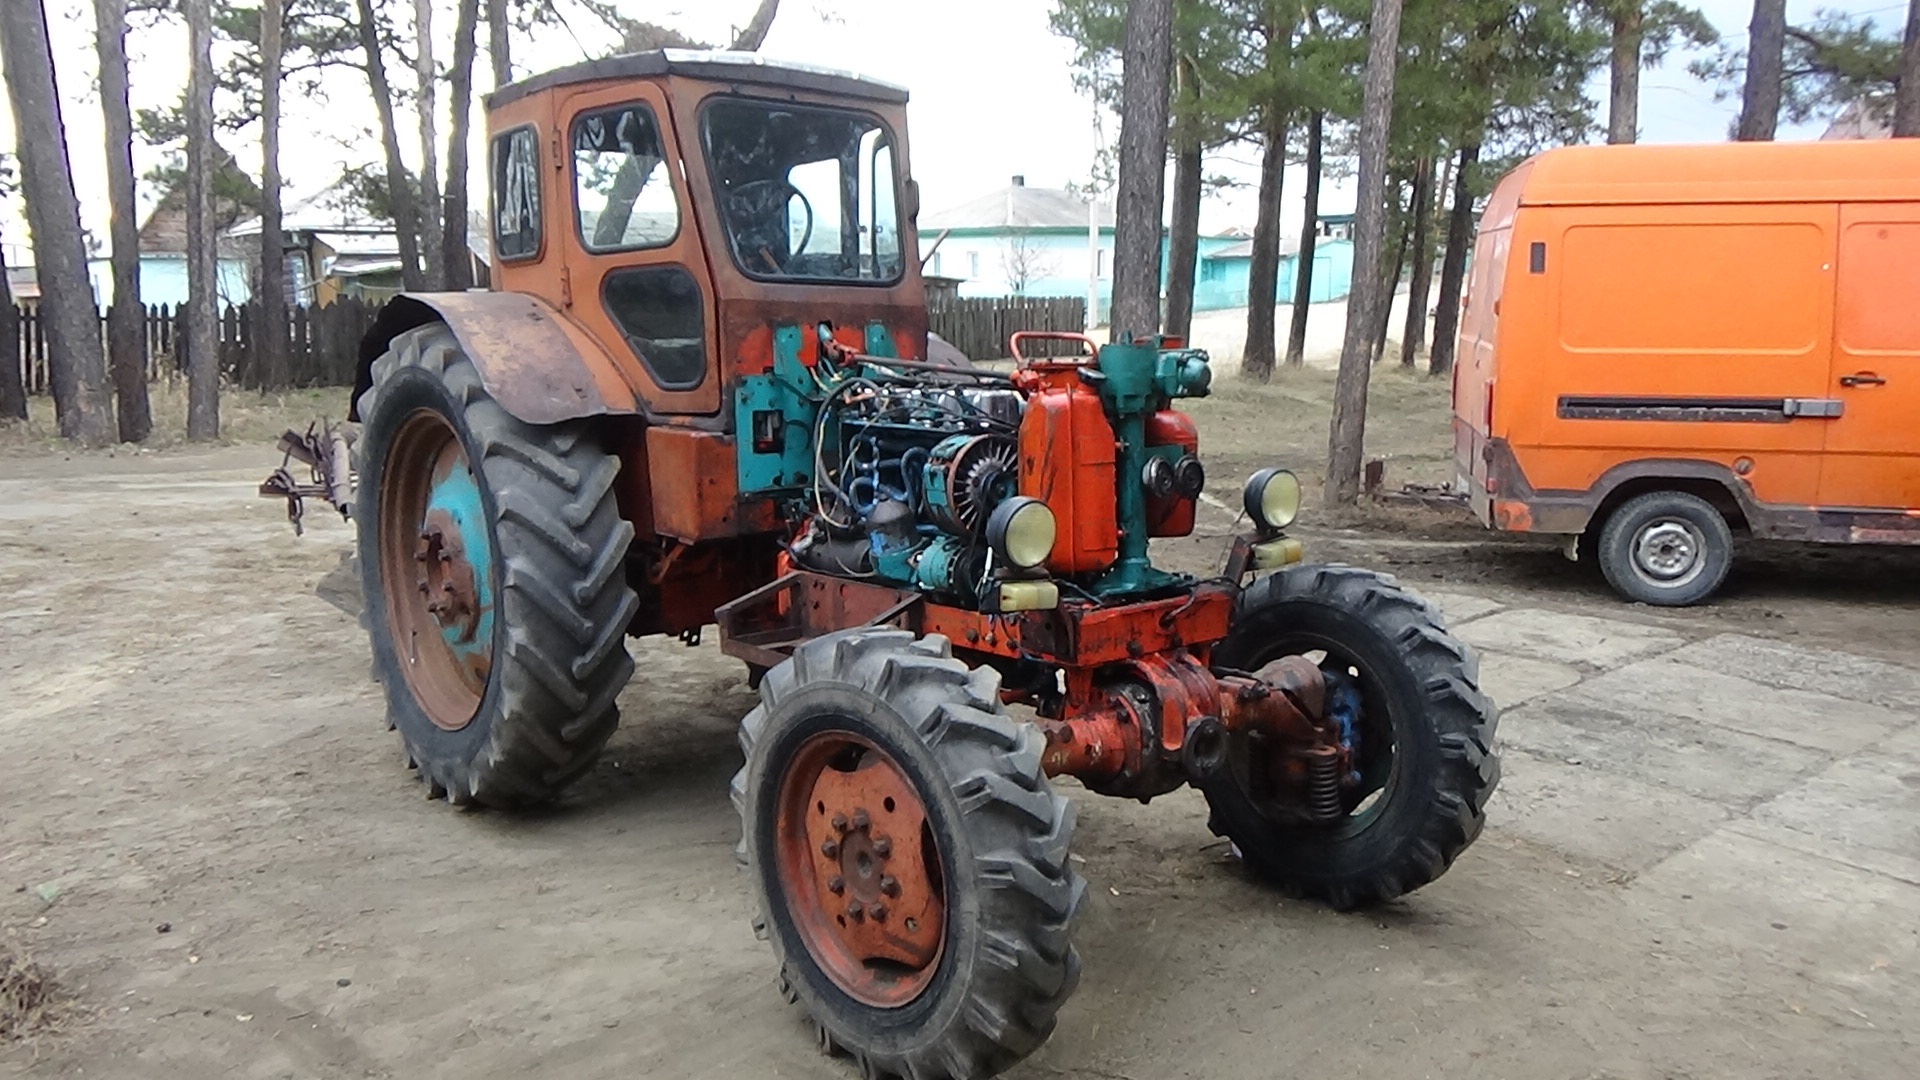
1863	378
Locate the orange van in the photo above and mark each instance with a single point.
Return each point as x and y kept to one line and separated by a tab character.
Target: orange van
1665	346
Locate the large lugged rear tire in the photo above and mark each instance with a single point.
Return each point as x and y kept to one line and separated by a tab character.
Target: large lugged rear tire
1424	735
501	539
880	770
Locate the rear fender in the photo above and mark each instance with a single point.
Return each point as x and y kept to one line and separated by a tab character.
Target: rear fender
536	363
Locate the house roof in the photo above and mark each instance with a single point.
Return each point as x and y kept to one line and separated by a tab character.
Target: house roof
23	282
1865	119
1244	250
339	221
329	210
1018	206
164	232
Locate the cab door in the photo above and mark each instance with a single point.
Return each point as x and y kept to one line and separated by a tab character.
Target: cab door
636	272
1873	447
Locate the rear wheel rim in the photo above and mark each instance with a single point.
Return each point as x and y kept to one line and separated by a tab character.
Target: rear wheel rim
1669	552
859	869
436	567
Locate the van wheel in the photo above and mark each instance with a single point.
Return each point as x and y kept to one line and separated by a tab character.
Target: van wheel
1666	548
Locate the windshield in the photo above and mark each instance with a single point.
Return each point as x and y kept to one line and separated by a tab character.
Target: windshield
805	194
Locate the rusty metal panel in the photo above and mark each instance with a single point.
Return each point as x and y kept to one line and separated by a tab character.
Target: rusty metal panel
536	363
693	482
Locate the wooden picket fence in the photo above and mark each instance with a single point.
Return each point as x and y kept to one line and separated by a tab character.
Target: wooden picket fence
323	344
980	326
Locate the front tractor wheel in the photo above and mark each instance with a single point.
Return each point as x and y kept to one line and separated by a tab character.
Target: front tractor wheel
1420	732
491	555
909	858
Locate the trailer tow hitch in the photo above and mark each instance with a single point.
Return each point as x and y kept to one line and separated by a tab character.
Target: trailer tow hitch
326	450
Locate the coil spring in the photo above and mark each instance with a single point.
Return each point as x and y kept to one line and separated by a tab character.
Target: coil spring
1323	788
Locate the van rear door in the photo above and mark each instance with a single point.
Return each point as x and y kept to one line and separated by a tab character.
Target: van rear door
1474	355
1873	448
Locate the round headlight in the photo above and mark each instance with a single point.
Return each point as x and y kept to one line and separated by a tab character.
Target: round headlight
1273	499
1022	531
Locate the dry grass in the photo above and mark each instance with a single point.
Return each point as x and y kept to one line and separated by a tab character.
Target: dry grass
31	1002
246	416
1245	425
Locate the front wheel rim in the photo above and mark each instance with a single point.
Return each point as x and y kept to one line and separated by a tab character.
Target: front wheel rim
859	869
1368	790
436	569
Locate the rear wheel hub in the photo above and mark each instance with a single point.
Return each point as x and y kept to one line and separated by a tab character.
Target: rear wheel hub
436	562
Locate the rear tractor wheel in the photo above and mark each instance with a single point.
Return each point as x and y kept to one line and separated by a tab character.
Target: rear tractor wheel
1407	697
909	859
491	556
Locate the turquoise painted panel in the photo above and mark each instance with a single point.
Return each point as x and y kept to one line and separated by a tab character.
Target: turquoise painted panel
780	401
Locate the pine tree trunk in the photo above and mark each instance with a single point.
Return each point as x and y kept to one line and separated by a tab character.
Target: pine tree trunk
1414	338
1906	96
406	216
1390	268
68	318
1623	98
1766	50
1183	235
455	259
127	318
1346	438
203	291
1144	94
754	34
13	387
270	340
1309	240
427	108
499	43
1453	265
1263	269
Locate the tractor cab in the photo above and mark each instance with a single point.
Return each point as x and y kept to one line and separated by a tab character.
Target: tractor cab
678	206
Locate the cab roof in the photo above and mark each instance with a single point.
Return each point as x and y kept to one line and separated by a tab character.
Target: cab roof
1851	170
715	66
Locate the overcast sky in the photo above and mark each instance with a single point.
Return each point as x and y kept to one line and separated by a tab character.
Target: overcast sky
992	93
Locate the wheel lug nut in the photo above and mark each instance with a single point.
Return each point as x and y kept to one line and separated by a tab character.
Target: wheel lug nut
861	820
830	848
839	823
889	885
883	847
856	911
836	885
879	911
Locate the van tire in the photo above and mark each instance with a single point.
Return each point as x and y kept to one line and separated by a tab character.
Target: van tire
1666	548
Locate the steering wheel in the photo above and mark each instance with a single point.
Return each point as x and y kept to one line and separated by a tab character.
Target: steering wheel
744	206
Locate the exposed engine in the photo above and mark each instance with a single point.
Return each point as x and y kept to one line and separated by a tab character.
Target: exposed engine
995	492
910	468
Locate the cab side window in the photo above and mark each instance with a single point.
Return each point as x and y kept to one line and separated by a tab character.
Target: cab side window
623	189
516	194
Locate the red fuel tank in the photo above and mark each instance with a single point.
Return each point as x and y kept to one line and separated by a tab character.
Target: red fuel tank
1067	460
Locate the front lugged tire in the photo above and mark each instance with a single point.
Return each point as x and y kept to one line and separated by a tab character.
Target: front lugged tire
519	519
882	770
1424	737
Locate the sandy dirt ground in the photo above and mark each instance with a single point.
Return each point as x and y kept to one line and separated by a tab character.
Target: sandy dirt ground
1704	860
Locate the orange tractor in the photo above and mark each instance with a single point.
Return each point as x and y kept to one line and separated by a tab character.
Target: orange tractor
700	395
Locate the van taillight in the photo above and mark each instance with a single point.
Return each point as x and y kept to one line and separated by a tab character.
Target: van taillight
1489	416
